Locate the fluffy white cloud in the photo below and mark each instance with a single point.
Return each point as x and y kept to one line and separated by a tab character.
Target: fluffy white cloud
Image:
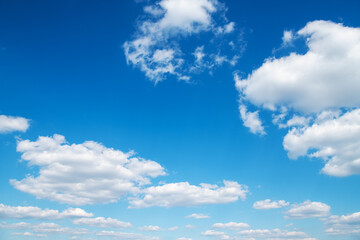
268	204
231	225
28	234
274	234
184	194
198	216
314	94
84	173
217	234
11	124
325	77
336	141
343	225
308	209
156	46
125	236
102	222
173	228
50	228
38	213
251	120
183	238
150	228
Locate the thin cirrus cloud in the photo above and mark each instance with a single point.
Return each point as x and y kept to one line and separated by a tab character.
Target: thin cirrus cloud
184	194
109	174
315	95
343	225
268	204
10	124
10	212
308	209
156	46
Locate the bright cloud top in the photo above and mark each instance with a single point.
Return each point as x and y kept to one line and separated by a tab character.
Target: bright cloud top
308	209
11	124
156	48
184	194
268	204
84	173
314	94
38	213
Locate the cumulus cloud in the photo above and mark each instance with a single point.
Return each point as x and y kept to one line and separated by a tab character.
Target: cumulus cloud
28	234
274	234
308	209
156	46
198	216
184	194
213	233
150	228
268	204
11	124
124	235
45	227
231	225
343	225
251	120
336	141
310	93
102	222
84	173
38	213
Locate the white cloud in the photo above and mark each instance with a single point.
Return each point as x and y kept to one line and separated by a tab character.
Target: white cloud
28	234
288	37
336	141
10	124
150	228
125	236
308	209
84	173
102	222
198	216
343	225
213	233
50	228
325	77
166	24
268	204
251	120
190	226
311	94
231	225
183	238
184	194
38	213
173	228
274	234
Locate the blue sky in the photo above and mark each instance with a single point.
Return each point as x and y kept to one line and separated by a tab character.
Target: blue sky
179	119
